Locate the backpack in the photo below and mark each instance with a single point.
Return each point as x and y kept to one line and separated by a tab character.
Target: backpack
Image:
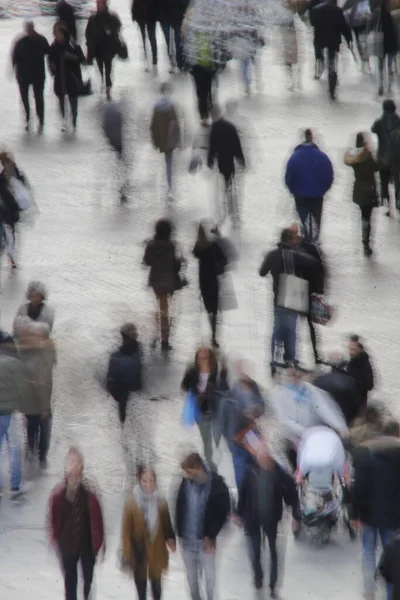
205	58
124	373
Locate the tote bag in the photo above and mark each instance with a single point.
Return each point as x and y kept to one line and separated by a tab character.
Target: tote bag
293	292
191	411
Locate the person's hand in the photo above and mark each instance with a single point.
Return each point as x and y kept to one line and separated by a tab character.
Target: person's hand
171	545
209	545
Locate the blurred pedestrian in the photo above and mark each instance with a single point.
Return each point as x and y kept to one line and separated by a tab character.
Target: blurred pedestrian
359	367
147	534
65	61
164	277
103	41
205	379
28	56
170	15
202	508
389	565
114	117
384	127
212	263
165	131
145	13
36	307
38	356
124	374
266	487
76	526
10	179
365	194
382	22
66	14
14	393
309	176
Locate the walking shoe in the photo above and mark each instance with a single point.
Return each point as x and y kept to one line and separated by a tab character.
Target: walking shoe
27	126
165	347
273	593
40	129
16	494
258	584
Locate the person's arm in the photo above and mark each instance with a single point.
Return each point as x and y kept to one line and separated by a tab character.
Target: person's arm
375	127
168	530
369	377
221	506
346	30
187	381
266	265
14	55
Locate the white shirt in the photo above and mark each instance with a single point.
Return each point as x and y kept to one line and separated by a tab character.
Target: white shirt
203	380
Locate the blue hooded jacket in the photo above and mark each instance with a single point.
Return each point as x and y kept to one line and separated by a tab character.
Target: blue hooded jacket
309	172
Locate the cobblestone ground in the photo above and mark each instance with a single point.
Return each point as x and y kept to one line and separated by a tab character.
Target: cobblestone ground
88	249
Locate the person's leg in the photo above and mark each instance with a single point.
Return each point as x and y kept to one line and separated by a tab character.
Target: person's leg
178	45
61	104
87	565
32	431
38	91
107	72
213	323
7	431
151	32
205	429
142	28
44	437
24	93
332	72
303	210
201	92
168	165
386	535
141	588
313	336
272	531
246	73
254	546
209	78
70	568
167	35
366	213
240	459
381	69
208	567
164	318
122	403
369	539
316	212
384	175
191	560
319	59
291	326
73	102
100	65
156	589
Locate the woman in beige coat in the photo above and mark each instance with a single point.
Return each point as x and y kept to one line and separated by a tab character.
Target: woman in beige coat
147	534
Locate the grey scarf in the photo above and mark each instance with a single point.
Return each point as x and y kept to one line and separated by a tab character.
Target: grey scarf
148	504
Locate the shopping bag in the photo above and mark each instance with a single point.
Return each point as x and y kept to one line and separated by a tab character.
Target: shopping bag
375	44
293	292
191	411
321	312
21	193
227	294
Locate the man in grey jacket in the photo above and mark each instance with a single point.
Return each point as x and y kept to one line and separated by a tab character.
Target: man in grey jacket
14	393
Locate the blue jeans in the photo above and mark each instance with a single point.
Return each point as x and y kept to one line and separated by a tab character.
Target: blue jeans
284	332
176	28
369	543
241	460
310	213
14	451
246	71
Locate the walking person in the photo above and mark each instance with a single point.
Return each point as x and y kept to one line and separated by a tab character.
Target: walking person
365	194
382	21
36	308
212	263
266	487
309	176
384	128
28	58
165	130
358	366
66	14
76	526
11	179
124	374
65	61
164	277
103	41
202	508
147	534
170	15
205	379
145	13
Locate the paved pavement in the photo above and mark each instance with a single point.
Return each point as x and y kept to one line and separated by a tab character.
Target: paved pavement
88	249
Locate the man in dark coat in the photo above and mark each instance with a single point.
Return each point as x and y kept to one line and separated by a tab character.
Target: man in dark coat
202	508
170	15
102	38
329	25
224	146
359	368
309	176
66	14
145	13
28	58
385	129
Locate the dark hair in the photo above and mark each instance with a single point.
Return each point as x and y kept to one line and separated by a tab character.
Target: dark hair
360	140
356	339
142	469
163	230
392	428
61	26
192	461
212	359
389	106
287	235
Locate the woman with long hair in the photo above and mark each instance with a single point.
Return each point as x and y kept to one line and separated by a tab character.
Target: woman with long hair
205	379
9	206
365	193
147	534
212	262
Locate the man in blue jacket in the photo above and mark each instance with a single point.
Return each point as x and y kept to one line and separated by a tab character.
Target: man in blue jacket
309	175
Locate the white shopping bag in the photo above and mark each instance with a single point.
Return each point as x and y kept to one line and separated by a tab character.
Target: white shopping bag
293	292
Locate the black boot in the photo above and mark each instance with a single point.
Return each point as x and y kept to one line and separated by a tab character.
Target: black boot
332	84
213	323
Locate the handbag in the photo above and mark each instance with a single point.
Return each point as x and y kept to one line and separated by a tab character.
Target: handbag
375	41
321	312
293	291
122	49
191	411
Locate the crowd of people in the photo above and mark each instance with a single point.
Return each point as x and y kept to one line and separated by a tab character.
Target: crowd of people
326	417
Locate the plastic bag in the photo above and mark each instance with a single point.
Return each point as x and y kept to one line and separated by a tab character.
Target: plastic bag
190	412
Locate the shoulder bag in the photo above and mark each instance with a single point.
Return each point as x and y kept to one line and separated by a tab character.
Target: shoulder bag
293	291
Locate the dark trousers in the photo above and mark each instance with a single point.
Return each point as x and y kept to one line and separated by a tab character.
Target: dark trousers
366	214
176	28
73	102
70	568
254	542
38	88
38	433
310	213
104	63
151	34
385	176
203	79
141	586
313	336
122	400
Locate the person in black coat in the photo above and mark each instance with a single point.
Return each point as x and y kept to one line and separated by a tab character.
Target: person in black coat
9	207
224	147
359	368
145	13
102	38
28	57
202	509
212	262
384	128
171	14
65	65
382	20
66	14
265	488
330	25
